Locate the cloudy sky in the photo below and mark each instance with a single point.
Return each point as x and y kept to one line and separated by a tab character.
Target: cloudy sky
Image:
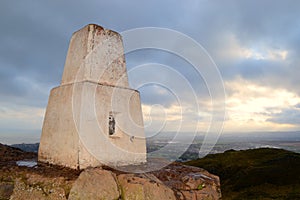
254	44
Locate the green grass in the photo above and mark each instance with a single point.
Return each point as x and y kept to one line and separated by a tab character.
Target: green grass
255	174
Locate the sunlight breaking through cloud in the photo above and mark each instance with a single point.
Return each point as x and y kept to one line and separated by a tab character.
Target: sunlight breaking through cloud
252	105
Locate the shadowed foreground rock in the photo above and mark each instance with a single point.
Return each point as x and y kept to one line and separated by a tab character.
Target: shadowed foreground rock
51	182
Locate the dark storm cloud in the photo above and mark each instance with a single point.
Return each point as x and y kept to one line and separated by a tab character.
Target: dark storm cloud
176	74
154	94
253	22
31	55
287	116
257	25
258	70
34	37
273	25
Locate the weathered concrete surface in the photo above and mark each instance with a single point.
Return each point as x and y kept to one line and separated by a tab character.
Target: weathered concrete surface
96	54
94	89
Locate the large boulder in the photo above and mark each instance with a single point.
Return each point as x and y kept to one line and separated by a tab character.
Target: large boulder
144	187
95	183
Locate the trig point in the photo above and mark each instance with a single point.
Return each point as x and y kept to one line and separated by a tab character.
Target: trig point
93	118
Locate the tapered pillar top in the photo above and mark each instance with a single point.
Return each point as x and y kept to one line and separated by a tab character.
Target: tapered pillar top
96	54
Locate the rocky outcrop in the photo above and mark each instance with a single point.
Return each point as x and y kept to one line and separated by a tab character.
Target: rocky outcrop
50	182
173	182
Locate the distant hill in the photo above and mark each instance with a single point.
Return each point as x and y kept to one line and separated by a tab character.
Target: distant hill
264	173
9	154
27	147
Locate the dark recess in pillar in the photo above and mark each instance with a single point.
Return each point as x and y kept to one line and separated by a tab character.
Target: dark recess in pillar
111	124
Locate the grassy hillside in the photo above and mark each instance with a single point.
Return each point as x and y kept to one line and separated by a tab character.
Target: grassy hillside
255	174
